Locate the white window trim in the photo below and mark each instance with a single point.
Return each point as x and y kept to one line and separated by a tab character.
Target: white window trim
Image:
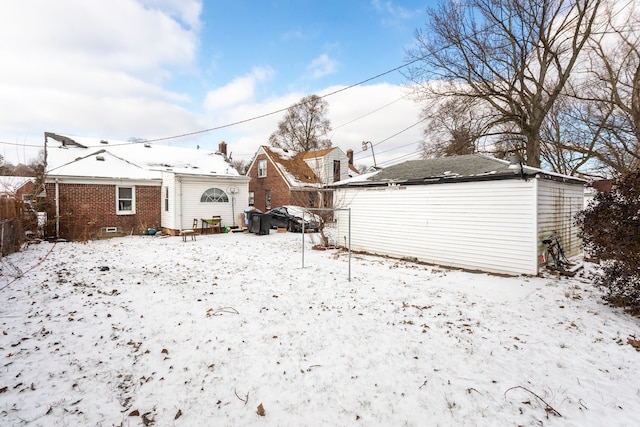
264	172
133	200
166	198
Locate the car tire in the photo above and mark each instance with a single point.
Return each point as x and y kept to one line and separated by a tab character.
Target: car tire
291	226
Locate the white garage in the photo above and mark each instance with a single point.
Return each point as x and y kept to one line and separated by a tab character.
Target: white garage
472	212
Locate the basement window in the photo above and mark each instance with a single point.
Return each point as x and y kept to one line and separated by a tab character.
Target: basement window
125	200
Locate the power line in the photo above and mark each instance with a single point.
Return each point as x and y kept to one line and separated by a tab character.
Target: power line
358	155
369	113
403	157
287	108
21	145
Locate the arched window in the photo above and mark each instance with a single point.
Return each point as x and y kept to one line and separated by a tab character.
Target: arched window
214	195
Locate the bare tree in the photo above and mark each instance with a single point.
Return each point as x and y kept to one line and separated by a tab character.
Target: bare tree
242	166
304	127
610	94
563	129
516	56
453	128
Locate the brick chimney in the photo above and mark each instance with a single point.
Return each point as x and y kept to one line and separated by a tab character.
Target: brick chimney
222	148
350	156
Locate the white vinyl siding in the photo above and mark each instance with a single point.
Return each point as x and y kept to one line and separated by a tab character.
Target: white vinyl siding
193	208
185	205
168	217
488	226
558	205
323	166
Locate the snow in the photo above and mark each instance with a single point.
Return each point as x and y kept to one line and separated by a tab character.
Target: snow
131	160
203	332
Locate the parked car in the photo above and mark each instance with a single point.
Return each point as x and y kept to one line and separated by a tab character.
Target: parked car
290	217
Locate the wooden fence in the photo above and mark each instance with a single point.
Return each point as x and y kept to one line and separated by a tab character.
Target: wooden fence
10	225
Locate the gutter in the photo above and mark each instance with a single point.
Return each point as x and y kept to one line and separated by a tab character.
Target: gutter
455	179
57	209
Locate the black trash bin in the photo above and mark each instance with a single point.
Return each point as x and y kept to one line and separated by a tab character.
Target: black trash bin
254	222
265	223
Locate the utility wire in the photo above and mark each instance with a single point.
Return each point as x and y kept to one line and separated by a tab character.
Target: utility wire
362	154
287	108
369	113
20	145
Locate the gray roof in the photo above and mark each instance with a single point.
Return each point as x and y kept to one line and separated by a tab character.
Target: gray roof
455	168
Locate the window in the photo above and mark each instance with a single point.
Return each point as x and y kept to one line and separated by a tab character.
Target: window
262	168
166	199
267	197
252	198
336	170
27	199
214	195
312	199
125	200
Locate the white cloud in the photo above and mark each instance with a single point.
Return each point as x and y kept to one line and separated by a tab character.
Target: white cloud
186	11
344	108
322	66
94	67
393	13
240	89
104	69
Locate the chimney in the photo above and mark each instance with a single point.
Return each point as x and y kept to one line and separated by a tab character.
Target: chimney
222	148
350	156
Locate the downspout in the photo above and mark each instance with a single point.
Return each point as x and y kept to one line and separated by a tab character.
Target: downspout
180	198
536	244
57	209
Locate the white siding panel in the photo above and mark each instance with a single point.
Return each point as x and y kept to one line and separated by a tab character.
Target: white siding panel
323	166
192	208
558	204
168	219
487	226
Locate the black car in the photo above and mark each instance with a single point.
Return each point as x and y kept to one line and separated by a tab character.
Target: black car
290	217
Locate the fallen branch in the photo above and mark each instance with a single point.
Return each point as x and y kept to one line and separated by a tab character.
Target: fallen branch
246	397
549	408
230	310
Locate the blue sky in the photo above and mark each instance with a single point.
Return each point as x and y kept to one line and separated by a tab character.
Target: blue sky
160	68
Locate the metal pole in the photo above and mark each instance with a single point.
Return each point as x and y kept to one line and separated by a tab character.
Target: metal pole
349	223
349	209
233	210
303	239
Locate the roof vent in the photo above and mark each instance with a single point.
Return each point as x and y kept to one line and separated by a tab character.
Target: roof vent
100	158
104	141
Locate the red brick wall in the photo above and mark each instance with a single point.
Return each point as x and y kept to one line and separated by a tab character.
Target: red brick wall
273	182
27	188
86	208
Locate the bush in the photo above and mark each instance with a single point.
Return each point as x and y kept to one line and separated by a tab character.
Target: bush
610	229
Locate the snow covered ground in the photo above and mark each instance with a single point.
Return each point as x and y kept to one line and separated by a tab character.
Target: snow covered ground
201	333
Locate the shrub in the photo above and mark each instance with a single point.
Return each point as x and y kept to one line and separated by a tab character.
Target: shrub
610	229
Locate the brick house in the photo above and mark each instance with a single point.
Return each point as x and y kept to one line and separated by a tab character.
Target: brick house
20	187
281	177
99	188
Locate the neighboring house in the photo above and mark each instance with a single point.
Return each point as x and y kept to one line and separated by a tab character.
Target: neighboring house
472	212
19	187
285	177
97	187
